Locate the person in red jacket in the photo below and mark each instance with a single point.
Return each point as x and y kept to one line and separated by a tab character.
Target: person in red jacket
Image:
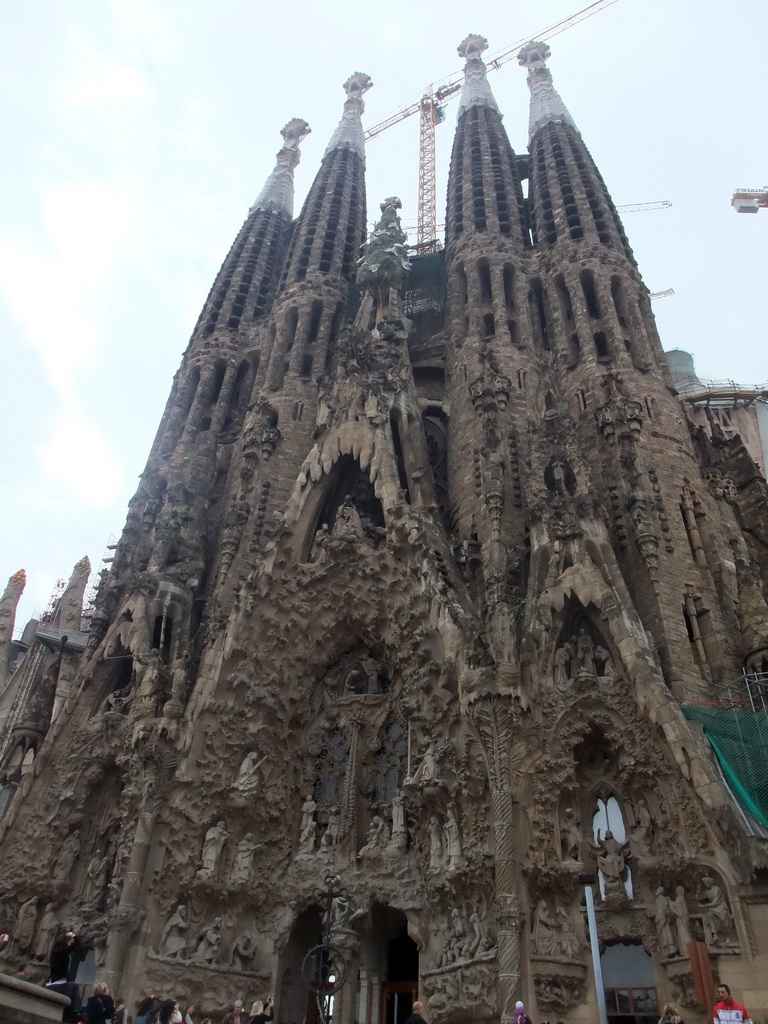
728	1011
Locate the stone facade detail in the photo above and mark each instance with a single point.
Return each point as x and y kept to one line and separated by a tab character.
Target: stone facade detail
424	571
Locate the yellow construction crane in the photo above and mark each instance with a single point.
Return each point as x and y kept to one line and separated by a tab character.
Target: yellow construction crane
431	114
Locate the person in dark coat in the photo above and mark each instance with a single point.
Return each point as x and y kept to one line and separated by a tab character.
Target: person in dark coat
417	1015
100	1008
63	966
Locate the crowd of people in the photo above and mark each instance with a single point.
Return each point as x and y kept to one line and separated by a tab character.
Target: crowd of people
101	1008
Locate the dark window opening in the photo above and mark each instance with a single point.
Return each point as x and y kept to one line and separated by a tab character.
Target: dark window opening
590	294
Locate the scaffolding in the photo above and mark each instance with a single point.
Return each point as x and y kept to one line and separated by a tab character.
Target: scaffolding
735	722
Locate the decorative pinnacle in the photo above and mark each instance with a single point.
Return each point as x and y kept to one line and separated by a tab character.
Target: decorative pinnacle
475	92
472	47
546	105
357	84
278	188
349	132
534	54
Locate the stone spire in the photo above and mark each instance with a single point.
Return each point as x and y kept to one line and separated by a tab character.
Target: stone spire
8	604
278	188
349	131
476	92
546	105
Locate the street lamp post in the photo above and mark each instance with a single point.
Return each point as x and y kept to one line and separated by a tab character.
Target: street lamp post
325	967
589	898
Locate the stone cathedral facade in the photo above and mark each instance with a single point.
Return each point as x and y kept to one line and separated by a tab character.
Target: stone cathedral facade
424	569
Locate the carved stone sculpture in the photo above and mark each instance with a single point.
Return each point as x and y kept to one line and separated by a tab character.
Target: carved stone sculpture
331	835
242	866
715	914
435	844
570	835
642	834
208	942
213	845
682	921
24	929
173	941
308	830
378	838
611	860
399	837
544	931
46	932
247	777
427	770
452	834
664	921
242	952
68	855
569	942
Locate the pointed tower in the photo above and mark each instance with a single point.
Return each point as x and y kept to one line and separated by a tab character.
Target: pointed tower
8	604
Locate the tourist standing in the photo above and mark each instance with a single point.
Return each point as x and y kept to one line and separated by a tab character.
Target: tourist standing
728	1011
262	1011
100	1008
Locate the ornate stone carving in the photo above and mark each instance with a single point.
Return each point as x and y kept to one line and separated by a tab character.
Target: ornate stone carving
213	845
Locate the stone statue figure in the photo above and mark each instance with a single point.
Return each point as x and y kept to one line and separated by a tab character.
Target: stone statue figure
67	856
560	665
643	831
664	921
46	933
585	652
682	921
173	941
435	844
247	776
378	837
427	770
213	844
455	938
97	876
482	940
24	929
308	828
399	834
611	860
453	839
570	945
544	931
242	866
242	952
715	915
208	942
331	835
570	835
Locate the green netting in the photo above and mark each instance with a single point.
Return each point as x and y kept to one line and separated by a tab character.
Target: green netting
739	739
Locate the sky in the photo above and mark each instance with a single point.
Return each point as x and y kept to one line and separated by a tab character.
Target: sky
138	132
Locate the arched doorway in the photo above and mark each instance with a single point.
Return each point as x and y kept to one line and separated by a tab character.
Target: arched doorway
394	958
630	985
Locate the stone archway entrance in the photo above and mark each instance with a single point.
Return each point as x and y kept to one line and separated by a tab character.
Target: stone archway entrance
630	985
400	990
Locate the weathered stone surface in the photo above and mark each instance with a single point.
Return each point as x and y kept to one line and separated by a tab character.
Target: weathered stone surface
410	593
